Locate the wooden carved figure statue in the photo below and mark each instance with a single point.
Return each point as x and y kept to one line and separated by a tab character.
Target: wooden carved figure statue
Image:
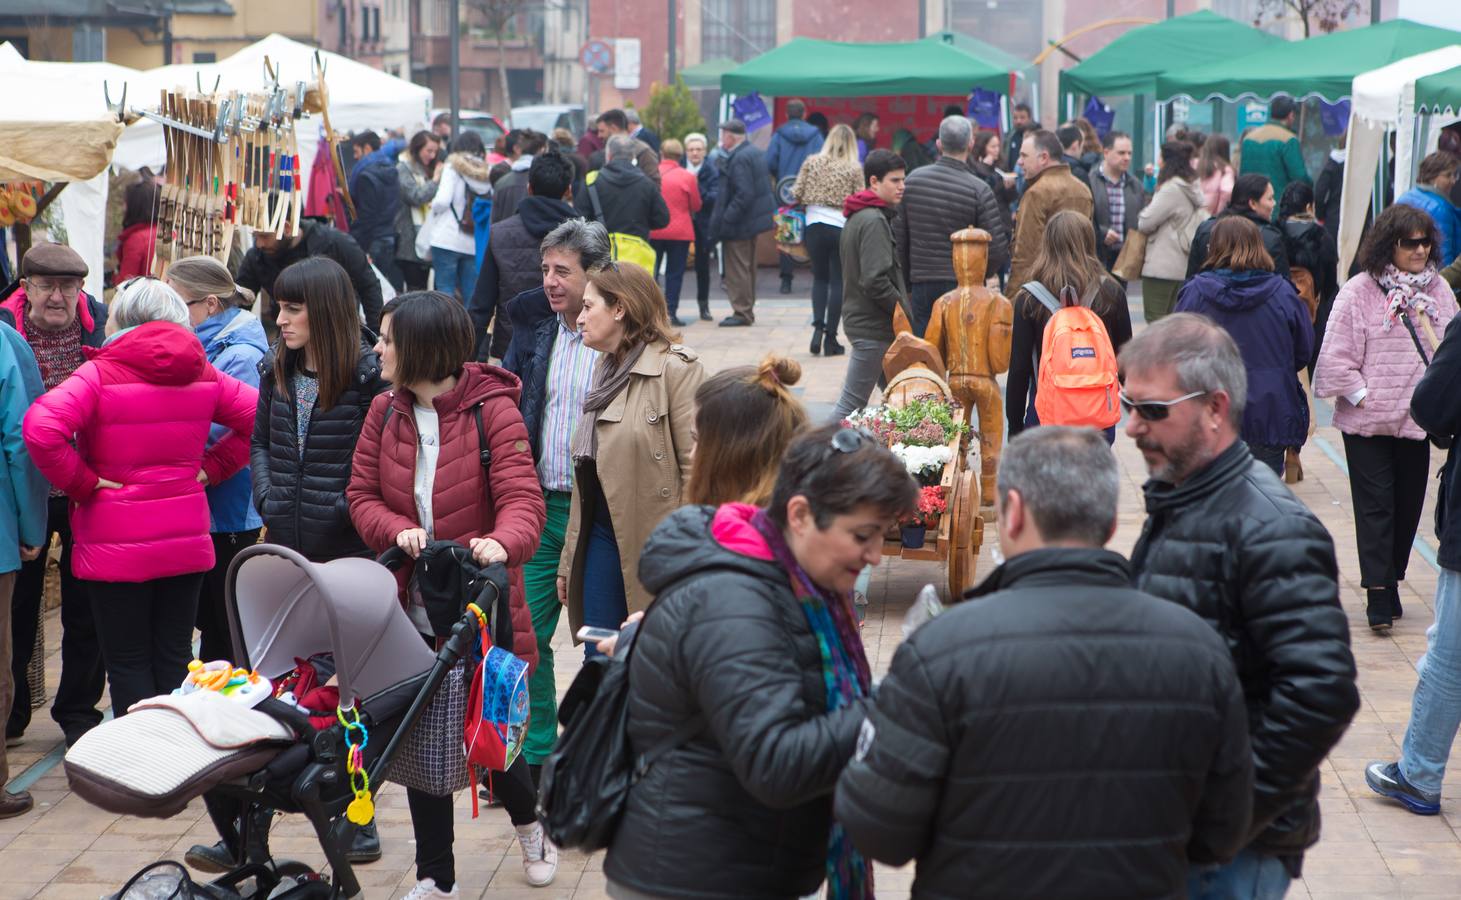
970	327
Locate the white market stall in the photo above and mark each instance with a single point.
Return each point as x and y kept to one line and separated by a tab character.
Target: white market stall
1383	101
54	127
360	97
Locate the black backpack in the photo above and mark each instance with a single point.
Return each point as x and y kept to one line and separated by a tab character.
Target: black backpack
586	780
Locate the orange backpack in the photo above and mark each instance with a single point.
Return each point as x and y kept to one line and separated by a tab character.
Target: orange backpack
1076	376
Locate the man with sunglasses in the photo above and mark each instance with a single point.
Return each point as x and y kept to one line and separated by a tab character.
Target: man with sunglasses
58	320
1227	540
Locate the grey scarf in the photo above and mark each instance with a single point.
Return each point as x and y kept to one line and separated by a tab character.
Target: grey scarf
609	380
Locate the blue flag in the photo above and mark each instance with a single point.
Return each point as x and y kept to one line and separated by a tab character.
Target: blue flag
1099	115
984	108
751	109
1335	117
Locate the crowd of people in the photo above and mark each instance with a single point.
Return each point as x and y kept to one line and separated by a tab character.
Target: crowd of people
158	435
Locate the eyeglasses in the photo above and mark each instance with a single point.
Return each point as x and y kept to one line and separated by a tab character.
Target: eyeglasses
1414	243
67	289
1155	410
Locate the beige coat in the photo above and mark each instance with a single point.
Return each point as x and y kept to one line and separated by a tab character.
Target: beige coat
1053	190
644	454
1169	222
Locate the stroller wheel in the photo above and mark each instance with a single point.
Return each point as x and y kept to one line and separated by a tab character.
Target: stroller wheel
292	868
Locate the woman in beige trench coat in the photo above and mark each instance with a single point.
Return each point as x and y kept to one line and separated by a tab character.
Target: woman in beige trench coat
631	449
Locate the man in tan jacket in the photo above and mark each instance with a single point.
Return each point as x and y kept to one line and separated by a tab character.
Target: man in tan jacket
1051	188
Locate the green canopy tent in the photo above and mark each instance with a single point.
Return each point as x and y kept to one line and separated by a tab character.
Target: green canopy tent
706	75
1439	94
1131	63
940	64
1323	66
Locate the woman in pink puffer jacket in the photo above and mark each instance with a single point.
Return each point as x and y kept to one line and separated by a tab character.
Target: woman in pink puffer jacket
124	437
1376	346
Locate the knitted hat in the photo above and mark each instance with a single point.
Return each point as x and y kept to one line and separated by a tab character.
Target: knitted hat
56	260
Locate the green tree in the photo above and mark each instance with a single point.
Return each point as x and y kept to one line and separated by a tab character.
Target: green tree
672	111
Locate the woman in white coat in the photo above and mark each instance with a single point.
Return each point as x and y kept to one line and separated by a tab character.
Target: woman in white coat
453	245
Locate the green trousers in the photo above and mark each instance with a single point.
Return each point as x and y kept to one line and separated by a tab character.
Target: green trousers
1158	296
540	577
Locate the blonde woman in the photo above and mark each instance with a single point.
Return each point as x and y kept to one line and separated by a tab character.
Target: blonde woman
234	343
825	181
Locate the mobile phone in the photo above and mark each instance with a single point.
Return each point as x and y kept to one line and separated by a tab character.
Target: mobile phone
590	634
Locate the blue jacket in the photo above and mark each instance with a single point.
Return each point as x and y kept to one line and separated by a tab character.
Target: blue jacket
23	490
1447	218
235	343
375	189
790	146
1271	327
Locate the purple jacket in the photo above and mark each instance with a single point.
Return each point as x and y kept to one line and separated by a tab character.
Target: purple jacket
1271	327
1360	355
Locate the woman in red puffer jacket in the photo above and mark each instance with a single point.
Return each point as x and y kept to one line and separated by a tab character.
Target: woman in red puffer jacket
418	476
124	437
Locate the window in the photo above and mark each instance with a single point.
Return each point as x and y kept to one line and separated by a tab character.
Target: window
737	29
1011	25
204	56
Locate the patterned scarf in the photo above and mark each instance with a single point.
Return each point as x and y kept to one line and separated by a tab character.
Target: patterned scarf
1405	292
847	676
609	380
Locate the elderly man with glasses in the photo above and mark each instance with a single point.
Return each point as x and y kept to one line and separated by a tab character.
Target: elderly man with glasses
57	319
1227	540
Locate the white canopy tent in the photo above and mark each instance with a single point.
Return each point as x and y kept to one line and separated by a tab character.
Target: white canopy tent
1382	101
361	97
54	126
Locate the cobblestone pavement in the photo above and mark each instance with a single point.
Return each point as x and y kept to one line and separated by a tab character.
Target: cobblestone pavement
1370	848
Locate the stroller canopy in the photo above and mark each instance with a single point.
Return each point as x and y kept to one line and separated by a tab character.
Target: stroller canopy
282	607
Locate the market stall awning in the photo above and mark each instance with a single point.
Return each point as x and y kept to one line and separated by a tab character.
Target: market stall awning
1323	66
1439	93
940	64
54	124
1131	63
707	75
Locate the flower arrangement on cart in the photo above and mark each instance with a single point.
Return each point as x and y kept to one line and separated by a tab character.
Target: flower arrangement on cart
924	435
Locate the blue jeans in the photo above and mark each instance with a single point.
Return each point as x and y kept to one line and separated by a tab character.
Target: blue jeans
1435	711
605	604
456	273
1250	876
675	254
382	252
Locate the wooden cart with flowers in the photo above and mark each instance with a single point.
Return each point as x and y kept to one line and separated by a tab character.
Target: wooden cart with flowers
923	427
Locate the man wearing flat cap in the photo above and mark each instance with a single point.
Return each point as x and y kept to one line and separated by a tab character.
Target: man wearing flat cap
744	209
57	319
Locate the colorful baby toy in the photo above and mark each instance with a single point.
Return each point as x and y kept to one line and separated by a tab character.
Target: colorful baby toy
221	677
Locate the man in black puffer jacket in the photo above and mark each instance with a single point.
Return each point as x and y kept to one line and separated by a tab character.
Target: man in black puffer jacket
514	262
1227	540
965	762
939	200
743	808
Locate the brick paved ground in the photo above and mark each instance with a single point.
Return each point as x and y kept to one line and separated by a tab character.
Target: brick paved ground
1370	848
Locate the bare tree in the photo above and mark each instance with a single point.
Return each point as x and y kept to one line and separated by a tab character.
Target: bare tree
496	16
1326	15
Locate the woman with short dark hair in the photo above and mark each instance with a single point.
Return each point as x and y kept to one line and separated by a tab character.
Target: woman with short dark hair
1377	345
749	676
1238	289
419	173
420	475
1432	195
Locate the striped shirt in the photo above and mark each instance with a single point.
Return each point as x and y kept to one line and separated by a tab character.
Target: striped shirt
570	375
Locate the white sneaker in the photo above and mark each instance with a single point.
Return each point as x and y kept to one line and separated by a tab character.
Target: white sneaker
426	889
540	857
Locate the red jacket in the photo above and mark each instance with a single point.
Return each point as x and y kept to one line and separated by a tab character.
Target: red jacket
508	509
135	247
682	196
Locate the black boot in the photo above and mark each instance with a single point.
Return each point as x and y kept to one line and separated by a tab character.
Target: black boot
705	311
830	347
786	284
1378	609
365	845
1395	611
816	347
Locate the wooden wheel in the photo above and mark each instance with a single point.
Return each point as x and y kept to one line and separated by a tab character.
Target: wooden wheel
965	535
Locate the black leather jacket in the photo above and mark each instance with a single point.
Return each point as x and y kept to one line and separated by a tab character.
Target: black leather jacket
1233	545
744	809
302	499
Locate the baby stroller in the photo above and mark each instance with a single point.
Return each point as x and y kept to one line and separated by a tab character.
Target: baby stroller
342	618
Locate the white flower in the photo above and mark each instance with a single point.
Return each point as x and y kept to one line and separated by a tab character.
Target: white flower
917	460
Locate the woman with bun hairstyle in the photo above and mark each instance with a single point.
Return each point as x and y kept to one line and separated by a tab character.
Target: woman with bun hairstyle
744	419
234	342
637	426
418	476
